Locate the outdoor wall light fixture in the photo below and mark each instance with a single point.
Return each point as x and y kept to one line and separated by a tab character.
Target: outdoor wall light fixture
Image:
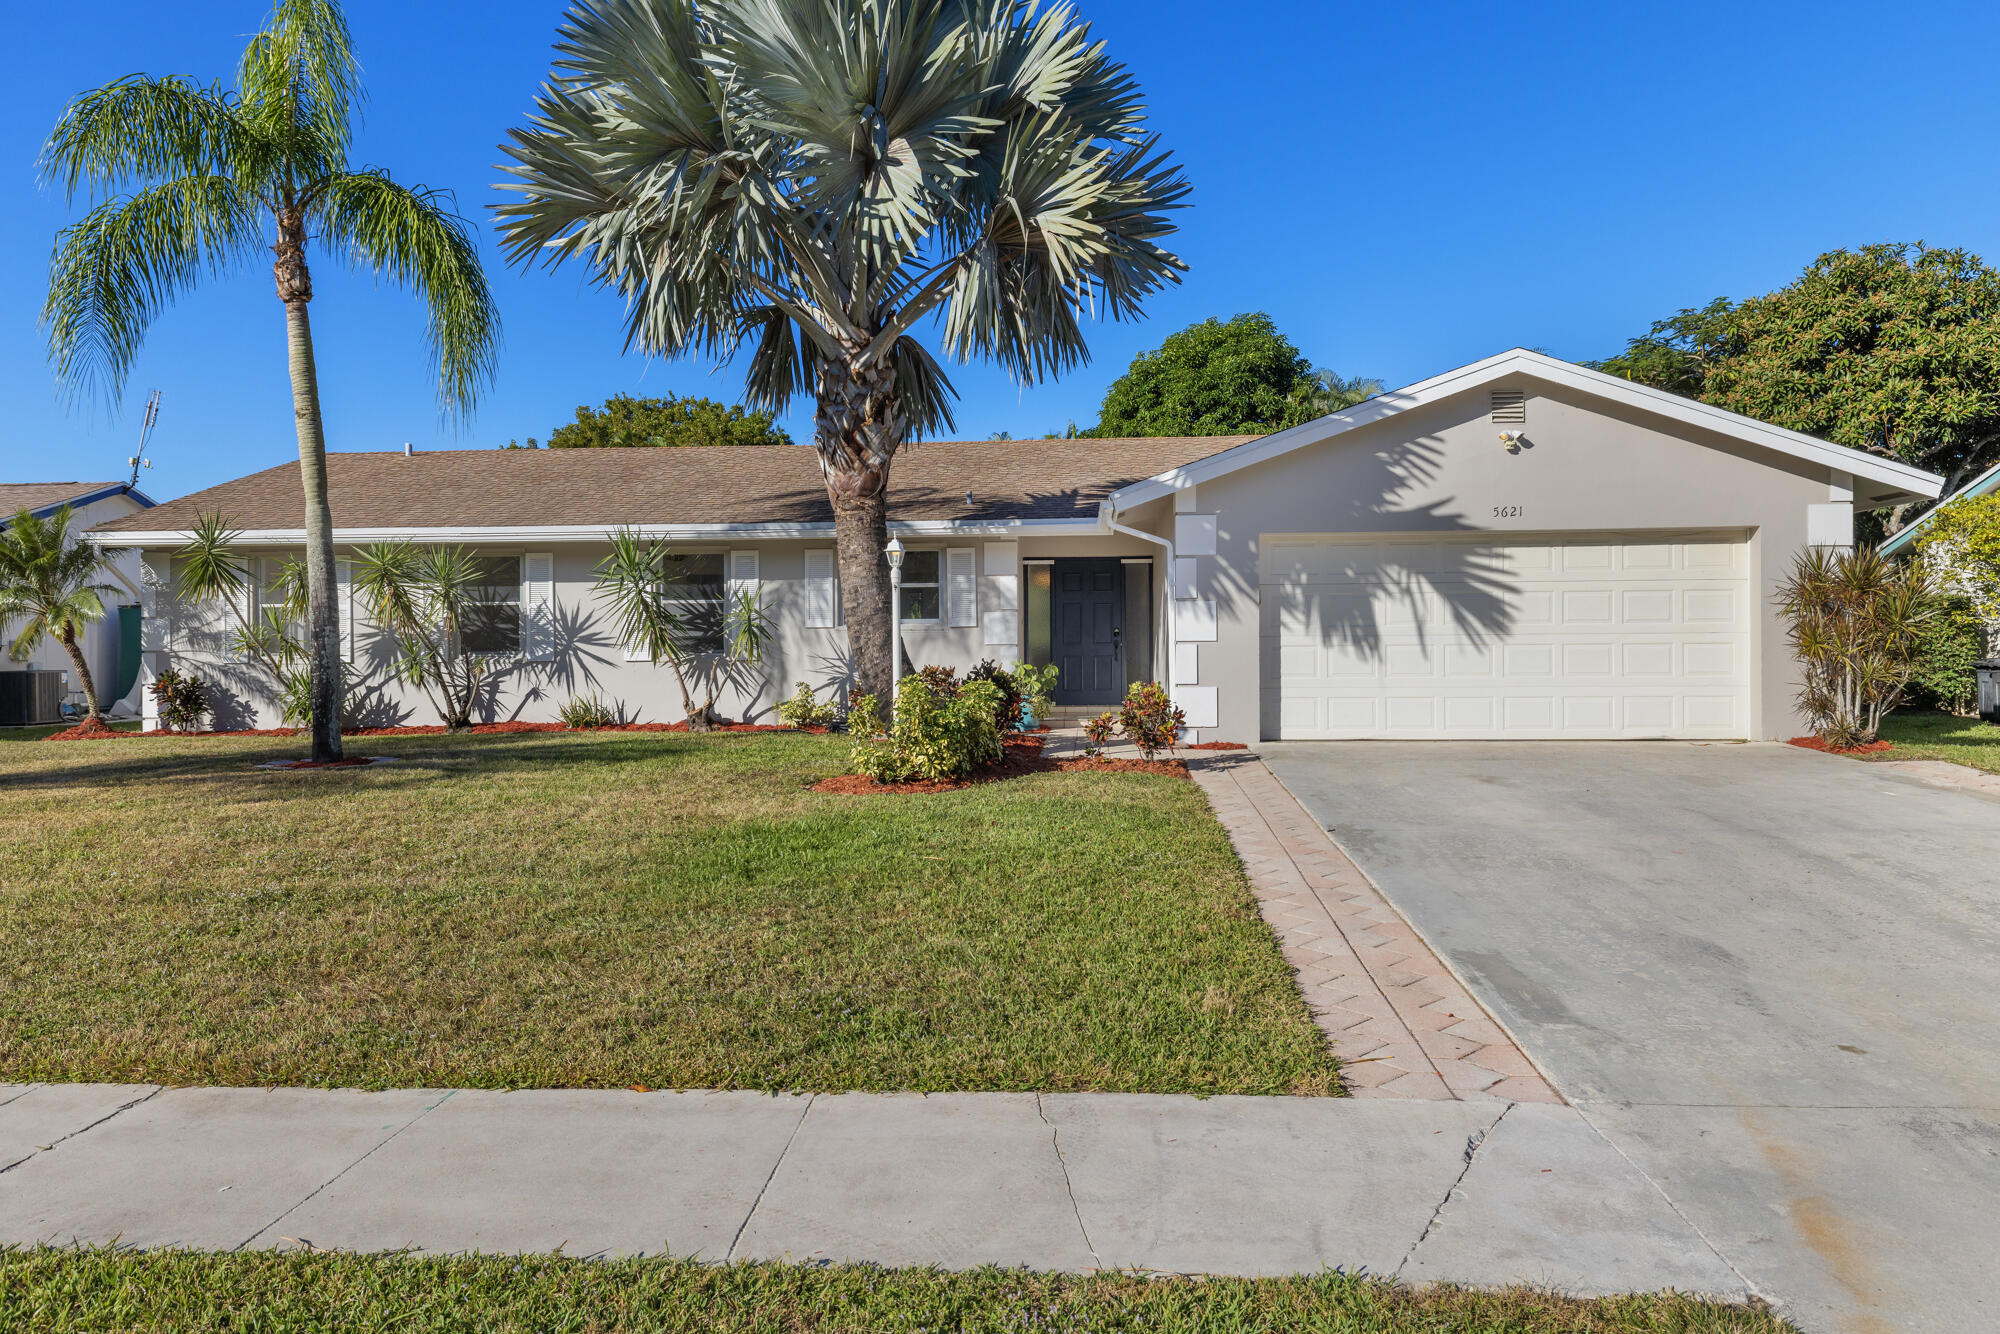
1513	441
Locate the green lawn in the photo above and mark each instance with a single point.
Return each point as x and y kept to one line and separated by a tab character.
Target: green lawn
57	1291
1939	736
616	909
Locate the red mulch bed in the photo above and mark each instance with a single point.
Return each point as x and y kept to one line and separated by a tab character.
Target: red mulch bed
1216	745
84	732
1814	743
1020	755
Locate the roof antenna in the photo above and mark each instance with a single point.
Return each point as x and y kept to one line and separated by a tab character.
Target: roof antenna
139	460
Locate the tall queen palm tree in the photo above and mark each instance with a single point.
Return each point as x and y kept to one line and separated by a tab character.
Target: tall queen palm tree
819	179
211	167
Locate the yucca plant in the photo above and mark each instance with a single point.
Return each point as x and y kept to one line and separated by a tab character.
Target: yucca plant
1855	622
49	581
210	571
634	582
429	600
213	169
823	180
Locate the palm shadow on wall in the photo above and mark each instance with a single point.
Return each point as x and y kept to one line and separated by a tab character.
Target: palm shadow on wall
1351	588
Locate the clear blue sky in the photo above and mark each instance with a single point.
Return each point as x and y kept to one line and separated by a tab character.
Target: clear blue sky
1403	187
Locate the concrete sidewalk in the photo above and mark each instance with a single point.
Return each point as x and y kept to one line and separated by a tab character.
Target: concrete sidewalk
1477	1192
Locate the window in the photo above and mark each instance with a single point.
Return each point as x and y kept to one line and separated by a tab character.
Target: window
493	624
920	585
694	592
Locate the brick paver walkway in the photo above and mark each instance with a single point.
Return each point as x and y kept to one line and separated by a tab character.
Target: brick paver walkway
1401	1024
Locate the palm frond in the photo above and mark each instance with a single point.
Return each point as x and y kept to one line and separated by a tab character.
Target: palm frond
299	83
415	237
141	128
128	259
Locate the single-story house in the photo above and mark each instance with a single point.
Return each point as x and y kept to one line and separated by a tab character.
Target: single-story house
1517	548
110	645
1904	543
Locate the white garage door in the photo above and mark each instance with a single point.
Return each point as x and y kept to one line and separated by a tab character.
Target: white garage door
1585	636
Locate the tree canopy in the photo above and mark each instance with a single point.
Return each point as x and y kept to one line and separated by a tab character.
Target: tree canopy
625	422
1224	377
1890	348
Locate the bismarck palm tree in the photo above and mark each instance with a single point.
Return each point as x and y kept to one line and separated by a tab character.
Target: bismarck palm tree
818	179
50	584
209	170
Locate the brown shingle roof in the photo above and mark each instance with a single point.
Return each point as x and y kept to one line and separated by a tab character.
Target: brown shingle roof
18	496
502	488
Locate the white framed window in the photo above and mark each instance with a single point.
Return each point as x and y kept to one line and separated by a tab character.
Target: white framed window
494	623
921	571
695	590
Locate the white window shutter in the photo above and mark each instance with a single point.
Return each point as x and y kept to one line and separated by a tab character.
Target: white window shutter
962	605
742	588
343	602
538	606
822	590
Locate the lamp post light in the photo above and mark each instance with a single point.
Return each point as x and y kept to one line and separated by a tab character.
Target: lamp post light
894	553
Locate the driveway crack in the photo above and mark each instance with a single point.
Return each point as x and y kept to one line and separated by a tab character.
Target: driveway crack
790	1139
1473	1144
292	1209
123	1107
1069	1188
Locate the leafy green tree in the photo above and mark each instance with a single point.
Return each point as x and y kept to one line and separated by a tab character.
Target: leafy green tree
816	181
1961	546
625	422
1894	349
1234	377
207	169
49	582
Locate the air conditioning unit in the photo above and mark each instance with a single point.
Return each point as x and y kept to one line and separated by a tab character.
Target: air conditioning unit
31	698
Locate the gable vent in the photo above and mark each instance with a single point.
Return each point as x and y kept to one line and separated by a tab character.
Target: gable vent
1510	406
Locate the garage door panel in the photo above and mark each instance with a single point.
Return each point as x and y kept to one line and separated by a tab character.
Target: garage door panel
1591	637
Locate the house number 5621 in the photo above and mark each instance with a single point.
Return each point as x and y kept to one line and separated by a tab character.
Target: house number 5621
1506	511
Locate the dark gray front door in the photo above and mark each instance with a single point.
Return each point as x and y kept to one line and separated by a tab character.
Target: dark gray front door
1087	621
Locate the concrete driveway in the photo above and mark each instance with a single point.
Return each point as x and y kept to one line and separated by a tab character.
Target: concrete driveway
1770	977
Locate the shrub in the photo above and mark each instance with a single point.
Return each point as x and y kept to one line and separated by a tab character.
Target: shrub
803	711
1948	648
1037	686
181	698
1149	718
933	736
941	681
1007	716
586	711
1856	623
1098	730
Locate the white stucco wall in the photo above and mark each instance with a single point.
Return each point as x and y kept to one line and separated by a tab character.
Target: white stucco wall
1441	468
588	660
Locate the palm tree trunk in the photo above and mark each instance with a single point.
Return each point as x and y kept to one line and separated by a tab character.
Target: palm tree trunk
68	641
857	429
322	613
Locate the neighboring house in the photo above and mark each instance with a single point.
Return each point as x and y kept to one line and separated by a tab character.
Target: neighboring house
1518	548
1904	542
113	656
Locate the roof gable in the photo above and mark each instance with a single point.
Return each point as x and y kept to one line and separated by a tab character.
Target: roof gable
1985	484
44	498
1890	478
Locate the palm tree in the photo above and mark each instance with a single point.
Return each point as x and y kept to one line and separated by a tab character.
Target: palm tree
1322	391
817	179
210	166
51	581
